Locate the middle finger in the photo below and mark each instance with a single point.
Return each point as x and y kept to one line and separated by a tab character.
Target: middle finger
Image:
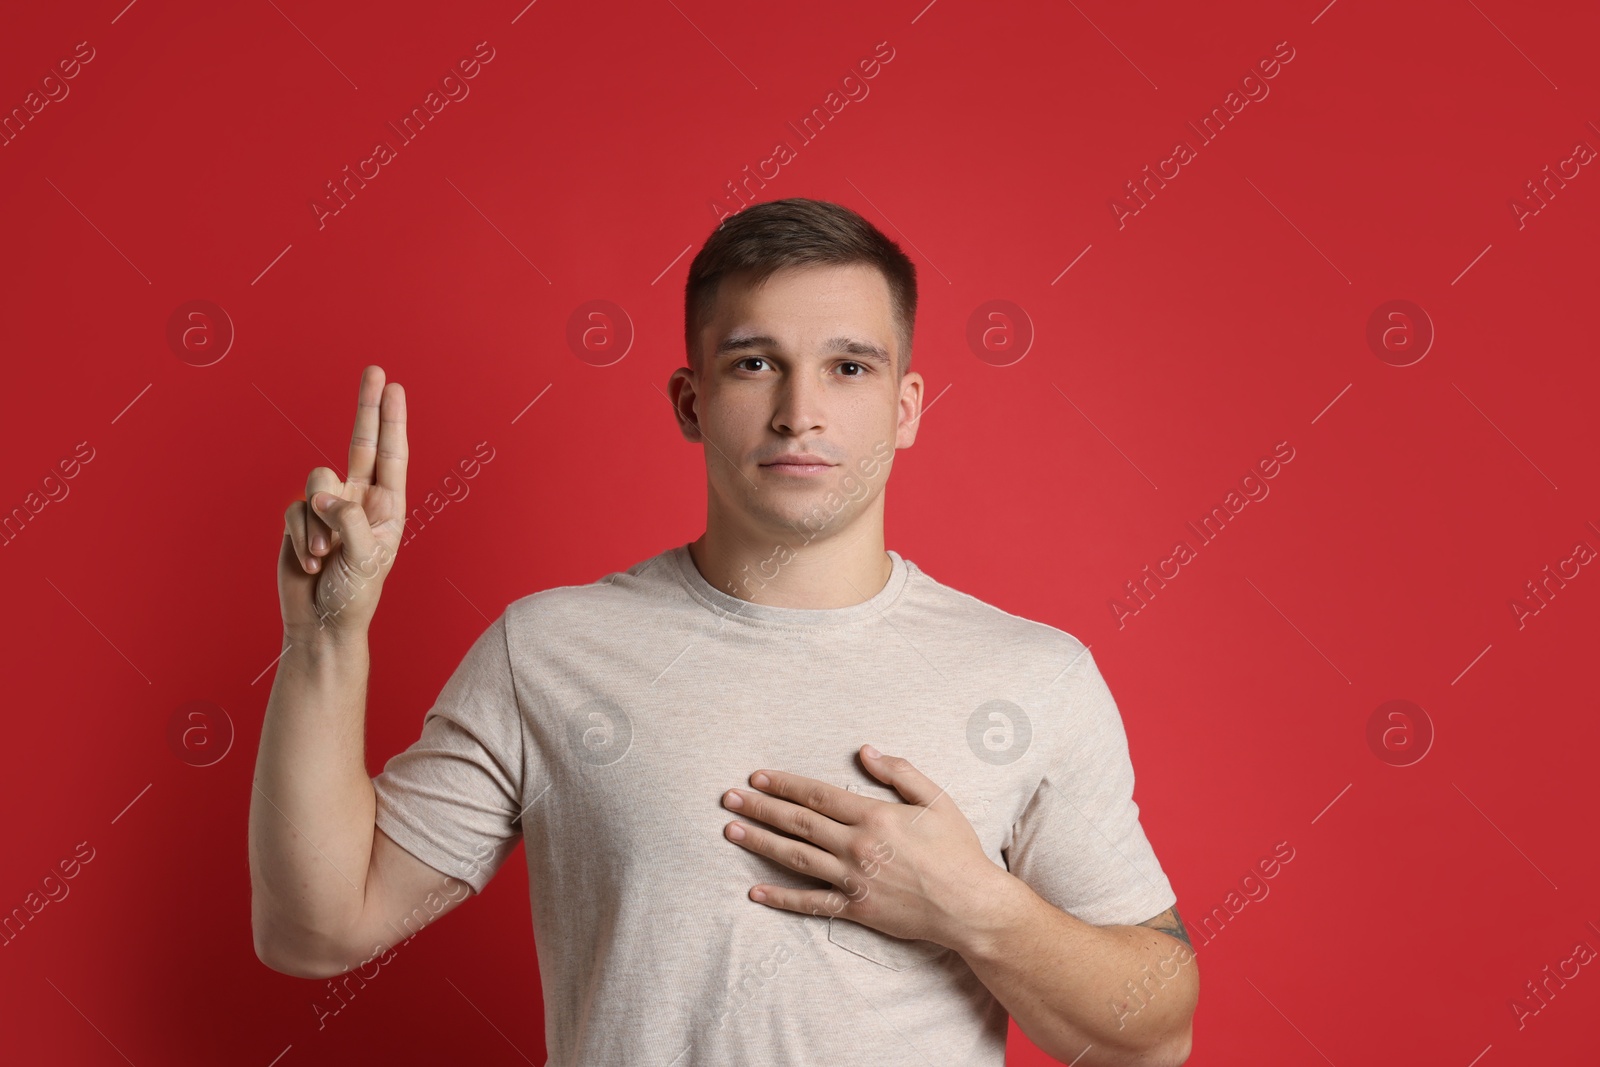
802	822
799	856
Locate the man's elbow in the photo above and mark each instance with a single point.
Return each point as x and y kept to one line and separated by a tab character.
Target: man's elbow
275	957
286	954
1173	1052
1176	1052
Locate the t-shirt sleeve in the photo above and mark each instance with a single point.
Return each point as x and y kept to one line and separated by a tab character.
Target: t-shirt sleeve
1078	842
453	799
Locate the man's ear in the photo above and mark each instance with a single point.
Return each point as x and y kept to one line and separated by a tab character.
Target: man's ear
681	391
910	409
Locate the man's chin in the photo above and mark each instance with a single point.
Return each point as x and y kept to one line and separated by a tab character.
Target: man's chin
795	526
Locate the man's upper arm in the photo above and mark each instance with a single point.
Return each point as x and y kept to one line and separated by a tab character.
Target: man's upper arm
1079	843
453	799
1169	922
403	895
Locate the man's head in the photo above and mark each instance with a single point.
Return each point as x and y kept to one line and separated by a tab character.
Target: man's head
766	238
798	323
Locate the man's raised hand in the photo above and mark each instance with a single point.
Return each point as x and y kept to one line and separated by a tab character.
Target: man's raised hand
339	543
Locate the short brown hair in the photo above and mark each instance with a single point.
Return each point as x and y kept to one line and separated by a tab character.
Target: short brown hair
767	237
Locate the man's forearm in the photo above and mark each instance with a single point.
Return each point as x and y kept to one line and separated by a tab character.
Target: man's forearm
311	803
1112	996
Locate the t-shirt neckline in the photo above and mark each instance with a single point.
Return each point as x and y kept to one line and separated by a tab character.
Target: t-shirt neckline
726	604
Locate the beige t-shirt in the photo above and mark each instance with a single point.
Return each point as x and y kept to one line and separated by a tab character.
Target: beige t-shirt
602	723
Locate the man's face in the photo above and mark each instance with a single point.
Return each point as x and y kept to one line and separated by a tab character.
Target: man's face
804	363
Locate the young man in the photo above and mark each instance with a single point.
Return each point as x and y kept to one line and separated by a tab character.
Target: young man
722	868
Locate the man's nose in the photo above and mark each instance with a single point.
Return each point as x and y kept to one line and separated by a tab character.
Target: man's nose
799	406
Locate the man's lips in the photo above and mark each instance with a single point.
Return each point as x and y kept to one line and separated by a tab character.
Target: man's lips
802	463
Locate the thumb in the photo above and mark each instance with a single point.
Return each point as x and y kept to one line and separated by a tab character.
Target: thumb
898	772
349	521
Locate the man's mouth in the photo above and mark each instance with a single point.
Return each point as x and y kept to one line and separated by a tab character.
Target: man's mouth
798	463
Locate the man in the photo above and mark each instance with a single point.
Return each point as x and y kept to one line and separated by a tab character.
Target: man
722	868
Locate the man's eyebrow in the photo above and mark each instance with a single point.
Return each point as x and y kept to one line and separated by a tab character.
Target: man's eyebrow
844	346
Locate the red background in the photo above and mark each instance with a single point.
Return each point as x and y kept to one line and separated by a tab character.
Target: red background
1226	316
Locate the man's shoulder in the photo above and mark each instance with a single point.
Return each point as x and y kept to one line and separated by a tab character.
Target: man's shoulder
977	617
633	589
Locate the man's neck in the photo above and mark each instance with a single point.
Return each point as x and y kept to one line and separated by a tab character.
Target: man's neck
833	573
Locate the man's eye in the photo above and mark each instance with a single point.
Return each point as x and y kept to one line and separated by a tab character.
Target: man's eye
861	368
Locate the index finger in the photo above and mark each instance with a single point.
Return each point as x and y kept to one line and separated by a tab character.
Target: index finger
364	438
840	805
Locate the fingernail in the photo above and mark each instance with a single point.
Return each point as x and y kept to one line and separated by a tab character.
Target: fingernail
734	800
318	542
872	753
321	501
